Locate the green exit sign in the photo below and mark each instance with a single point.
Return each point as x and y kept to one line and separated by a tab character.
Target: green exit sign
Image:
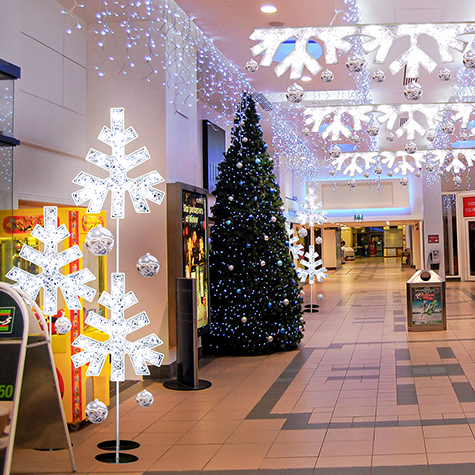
358	217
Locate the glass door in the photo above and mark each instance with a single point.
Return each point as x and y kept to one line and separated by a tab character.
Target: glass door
471	250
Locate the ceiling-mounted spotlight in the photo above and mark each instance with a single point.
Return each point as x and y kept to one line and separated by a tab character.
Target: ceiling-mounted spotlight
268	9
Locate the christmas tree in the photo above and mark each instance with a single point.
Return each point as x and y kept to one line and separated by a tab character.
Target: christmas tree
255	296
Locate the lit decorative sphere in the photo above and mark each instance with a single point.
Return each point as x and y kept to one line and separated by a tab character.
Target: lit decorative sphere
273	219
282	208
279	263
404	181
263	263
378	75
445	74
390	137
390	173
417	174
366	174
244	320
257	161
270	338
334	151
62	325
295	93
319	296
148	265
286	301
144	398
305	131
352	183
302	320
228	222
99	241
355	138
448	127
355	63
429	166
457	180
440	172
245	139
318	240
252	66
413	91
231	267
96	412
238	165
266	238
301	328
372	130
378	169
430	137
464	135
302	232
411	148
327	76
469	59
231	198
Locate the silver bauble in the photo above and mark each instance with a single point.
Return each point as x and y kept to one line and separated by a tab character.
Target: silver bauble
319	240
378	169
429	166
286	301
96	411
352	183
355	63
148	265
390	173
244	320
331	172
378	75
302	320
270	338
410	148
99	241
390	137
319	296
231	198
302	232
238	165
366	174
457	180
372	130
62	325
464	135
448	127
430	136
231	267
404	181
469	59
252	66
266	238
273	219
327	76
305	131
445	74
354	139
417	174
262	263
334	151
295	93
144	398
413	91
245	139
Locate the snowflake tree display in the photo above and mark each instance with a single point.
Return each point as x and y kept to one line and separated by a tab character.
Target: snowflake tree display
117	327
295	248
314	269
50	261
311	214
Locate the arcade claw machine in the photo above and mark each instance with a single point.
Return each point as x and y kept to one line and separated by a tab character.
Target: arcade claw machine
77	389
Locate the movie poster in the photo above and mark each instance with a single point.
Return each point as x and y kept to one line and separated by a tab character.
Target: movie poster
427	305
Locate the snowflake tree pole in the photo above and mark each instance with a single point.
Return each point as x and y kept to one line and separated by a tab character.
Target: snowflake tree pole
312	215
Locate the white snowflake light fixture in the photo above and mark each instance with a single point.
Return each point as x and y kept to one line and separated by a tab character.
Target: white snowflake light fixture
118	164
117	327
314	267
295	248
311	213
50	261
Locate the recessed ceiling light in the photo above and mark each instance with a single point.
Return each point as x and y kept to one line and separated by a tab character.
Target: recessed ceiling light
268	9
306	78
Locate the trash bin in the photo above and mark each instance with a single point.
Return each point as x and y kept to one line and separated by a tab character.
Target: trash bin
426	307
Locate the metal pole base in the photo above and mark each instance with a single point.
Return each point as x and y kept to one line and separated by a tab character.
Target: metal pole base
111	458
124	445
311	308
178	386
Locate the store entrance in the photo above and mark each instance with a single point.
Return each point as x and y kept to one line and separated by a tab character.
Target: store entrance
471	249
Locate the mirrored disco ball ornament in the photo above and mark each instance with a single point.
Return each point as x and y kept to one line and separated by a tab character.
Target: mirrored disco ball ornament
457	180
390	137
355	63
327	76
231	267
372	130
238	165
96	412
404	181
252	66
464	135
295	93
286	301
244	320
390	173
334	151
331	172
366	174
273	219
445	74
410	148
231	198
245	139
378	75
263	263
62	325
378	169
99	241
413	91
417	174
302	232
305	131
448	127
148	265
429	166
352	183
320	296
430	137
319	240
144	398
469	59
270	338
354	139
266	238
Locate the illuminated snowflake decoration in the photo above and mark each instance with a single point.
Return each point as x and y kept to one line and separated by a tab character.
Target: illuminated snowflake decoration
295	249
314	267
117	327
50	261
118	164
311	213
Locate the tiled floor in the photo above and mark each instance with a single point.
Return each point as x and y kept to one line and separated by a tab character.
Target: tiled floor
362	396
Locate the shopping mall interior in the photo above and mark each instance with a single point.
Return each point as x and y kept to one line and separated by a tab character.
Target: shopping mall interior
366	110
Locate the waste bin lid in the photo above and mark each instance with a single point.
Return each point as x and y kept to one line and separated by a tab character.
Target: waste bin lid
423	276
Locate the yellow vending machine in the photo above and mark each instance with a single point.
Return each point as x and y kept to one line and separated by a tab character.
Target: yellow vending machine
77	389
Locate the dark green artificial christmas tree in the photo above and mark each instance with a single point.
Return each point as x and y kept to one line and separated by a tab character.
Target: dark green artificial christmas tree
255	297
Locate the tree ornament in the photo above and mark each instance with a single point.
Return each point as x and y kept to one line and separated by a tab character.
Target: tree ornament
430	137
372	130
270	338
378	169
327	75
440	172
148	265
231	267
319	240
429	166
320	296
302	320
99	241
231	198
252	66
266	238
390	173
410	148
331	172
96	411
263	263
334	151
62	325
305	131
413	91
378	75
144	398
417	174
390	137
245	139
244	320
464	135
279	263
273	219
366	174
238	165
445	74
469	59
286	301
404	181
302	232
448	127
295	93
355	63
457	180
257	161
352	183
354	139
